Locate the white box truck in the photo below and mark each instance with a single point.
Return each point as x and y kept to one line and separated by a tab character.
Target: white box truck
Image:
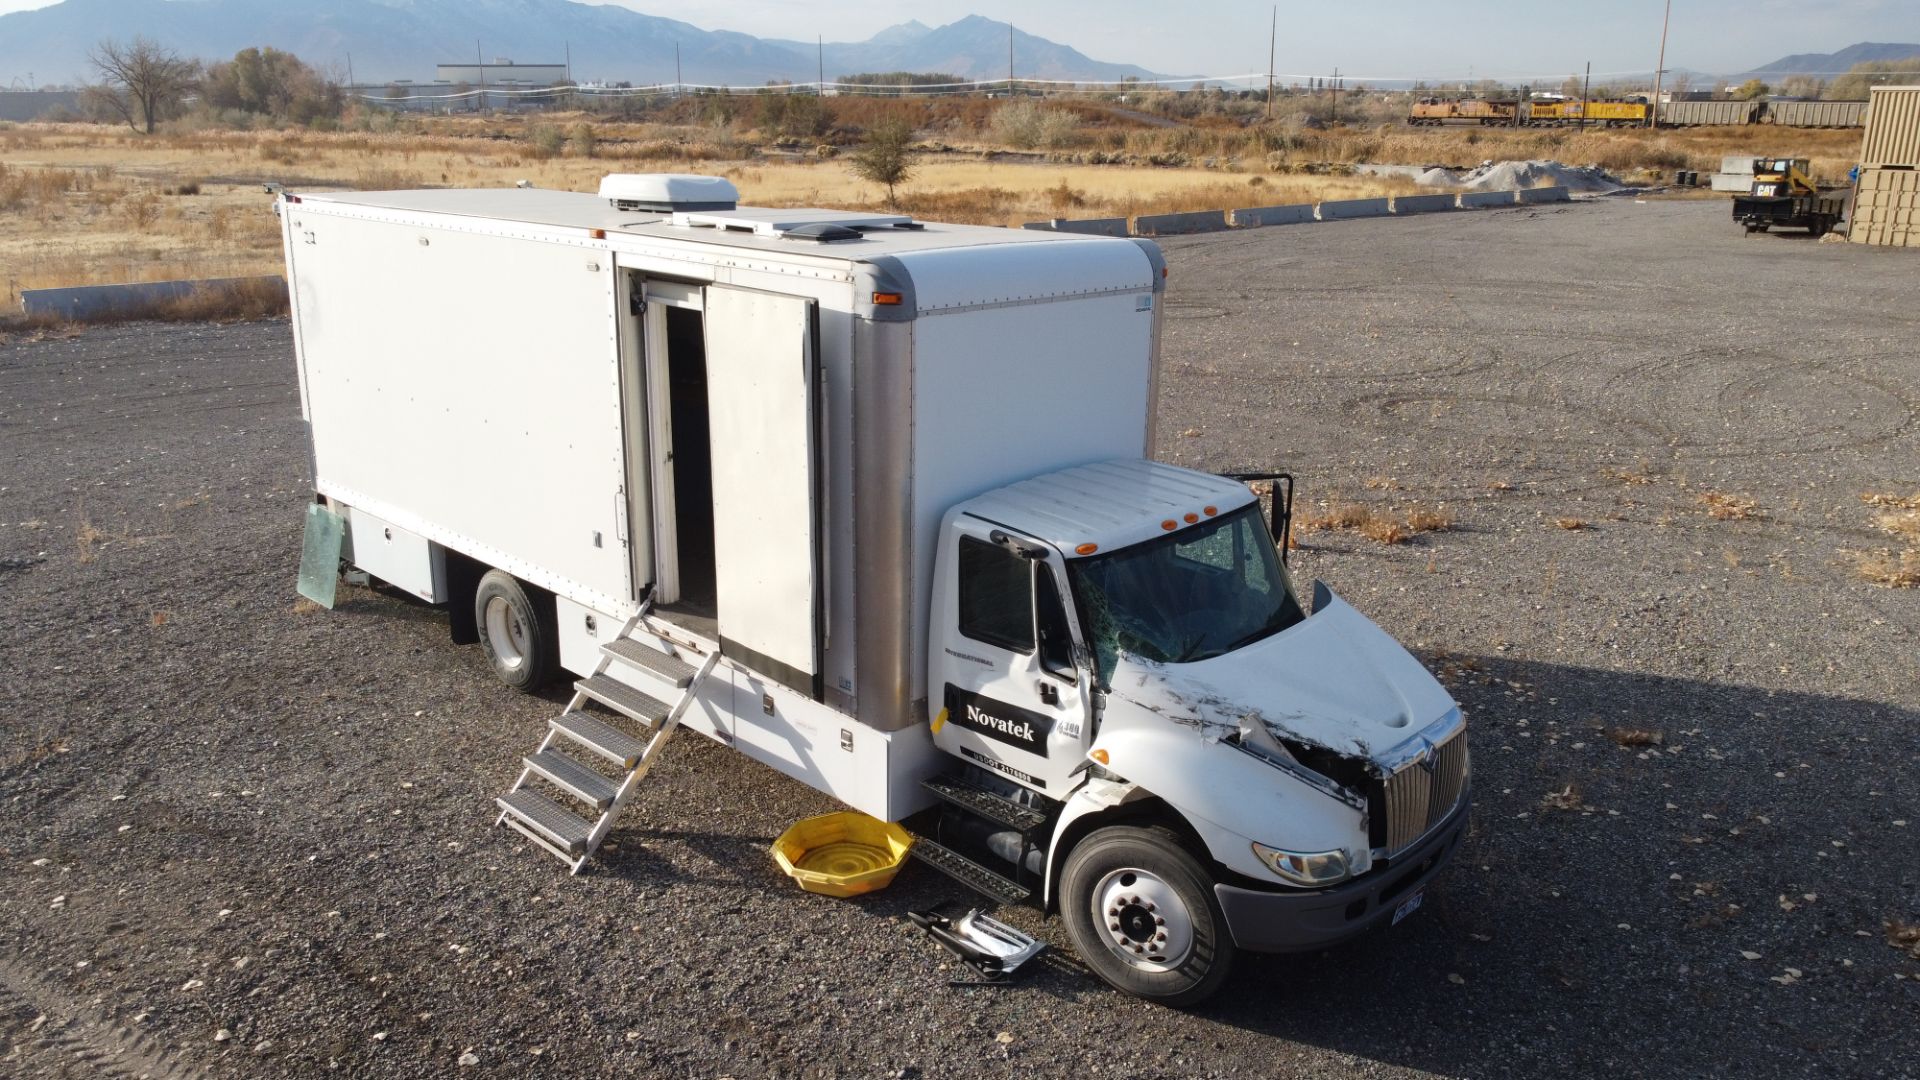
869	500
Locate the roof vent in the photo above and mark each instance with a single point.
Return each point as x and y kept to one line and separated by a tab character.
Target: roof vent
821	232
668	192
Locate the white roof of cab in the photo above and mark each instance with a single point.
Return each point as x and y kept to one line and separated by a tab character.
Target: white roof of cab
1110	503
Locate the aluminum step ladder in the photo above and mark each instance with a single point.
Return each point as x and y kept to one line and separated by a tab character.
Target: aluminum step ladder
635	680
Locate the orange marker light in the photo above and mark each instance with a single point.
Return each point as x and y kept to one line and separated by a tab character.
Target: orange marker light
888	299
1086	549
1191	518
1211	510
1099	756
597	234
1169	524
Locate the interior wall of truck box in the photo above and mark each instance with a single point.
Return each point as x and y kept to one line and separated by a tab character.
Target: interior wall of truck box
466	386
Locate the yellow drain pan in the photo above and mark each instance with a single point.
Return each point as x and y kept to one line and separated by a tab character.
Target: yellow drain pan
843	854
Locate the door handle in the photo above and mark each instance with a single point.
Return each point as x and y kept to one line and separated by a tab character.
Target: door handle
1049	693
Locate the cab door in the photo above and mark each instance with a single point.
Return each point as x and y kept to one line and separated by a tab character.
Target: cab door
1007	692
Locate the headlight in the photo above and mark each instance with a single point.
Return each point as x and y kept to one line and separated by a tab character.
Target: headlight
1305	867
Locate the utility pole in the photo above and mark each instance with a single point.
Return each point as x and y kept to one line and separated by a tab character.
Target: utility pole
480	65
350	81
820	43
1586	94
1009	59
1660	71
676	69
568	45
1336	95
1273	36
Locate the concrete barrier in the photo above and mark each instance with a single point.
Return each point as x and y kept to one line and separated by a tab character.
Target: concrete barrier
1199	221
1272	215
1046	225
1423	204
1353	208
1472	200
1546	195
84	302
1112	226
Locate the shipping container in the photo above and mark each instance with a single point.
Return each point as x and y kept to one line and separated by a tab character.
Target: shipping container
1886	208
1814	114
1893	127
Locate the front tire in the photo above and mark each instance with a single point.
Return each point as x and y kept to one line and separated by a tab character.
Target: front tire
1141	912
518	629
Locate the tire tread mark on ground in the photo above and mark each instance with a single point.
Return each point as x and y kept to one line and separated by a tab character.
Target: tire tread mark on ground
111	1049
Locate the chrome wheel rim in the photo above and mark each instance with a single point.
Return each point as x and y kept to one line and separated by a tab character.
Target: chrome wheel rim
1142	920
507	635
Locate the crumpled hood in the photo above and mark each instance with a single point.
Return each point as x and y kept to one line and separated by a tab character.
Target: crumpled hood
1334	680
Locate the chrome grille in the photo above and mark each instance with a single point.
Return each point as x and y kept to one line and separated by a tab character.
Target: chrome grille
1418	797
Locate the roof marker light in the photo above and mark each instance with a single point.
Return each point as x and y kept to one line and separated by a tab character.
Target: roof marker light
1169	524
597	234
888	299
1099	756
1192	517
1086	549
1210	510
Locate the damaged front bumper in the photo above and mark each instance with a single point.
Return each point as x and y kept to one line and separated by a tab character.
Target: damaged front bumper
1298	921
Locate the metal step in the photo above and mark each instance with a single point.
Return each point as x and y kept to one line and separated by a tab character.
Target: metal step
547	818
991	805
600	737
995	886
622	698
573	778
670	669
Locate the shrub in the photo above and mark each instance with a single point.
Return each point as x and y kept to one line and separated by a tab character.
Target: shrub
545	141
583	140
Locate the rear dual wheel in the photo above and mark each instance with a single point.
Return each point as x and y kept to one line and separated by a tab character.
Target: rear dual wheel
1141	912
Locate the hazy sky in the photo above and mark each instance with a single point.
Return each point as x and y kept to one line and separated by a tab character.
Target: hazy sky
1421	38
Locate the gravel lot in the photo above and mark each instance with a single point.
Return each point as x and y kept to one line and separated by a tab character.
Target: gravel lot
249	840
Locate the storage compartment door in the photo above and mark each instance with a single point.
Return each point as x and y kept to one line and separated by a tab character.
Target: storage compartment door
760	394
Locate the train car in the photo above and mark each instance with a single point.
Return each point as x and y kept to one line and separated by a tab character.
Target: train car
1434	112
1815	114
1593	113
1709	113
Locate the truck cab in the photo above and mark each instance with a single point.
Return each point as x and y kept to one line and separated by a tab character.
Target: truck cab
1208	765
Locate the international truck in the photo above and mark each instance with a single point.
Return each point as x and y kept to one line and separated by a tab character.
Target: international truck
873	502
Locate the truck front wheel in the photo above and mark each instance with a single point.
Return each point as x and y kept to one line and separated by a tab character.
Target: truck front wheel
518	630
1141	912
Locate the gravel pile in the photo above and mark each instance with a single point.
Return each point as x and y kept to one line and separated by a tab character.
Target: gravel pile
1520	175
244	838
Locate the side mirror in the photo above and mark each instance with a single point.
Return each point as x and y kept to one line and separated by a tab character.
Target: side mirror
1280	513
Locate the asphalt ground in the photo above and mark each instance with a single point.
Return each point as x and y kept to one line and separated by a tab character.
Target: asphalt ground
242	838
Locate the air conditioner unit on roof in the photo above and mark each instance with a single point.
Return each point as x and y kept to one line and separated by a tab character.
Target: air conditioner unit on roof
667	192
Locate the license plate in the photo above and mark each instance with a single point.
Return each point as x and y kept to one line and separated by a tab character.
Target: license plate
1408	906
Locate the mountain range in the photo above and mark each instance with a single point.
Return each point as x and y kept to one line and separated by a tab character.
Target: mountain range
404	39
1833	63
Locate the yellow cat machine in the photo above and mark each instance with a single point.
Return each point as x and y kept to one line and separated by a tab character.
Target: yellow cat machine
1434	112
1784	196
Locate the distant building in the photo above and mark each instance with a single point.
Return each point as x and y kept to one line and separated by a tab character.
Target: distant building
502	72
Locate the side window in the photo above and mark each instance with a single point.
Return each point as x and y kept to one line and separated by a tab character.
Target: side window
996	595
1056	638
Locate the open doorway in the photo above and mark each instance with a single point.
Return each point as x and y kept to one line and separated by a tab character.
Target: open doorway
691	461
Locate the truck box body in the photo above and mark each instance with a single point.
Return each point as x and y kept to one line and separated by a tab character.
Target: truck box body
475	367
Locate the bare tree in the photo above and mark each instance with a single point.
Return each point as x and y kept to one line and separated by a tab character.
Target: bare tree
142	78
885	158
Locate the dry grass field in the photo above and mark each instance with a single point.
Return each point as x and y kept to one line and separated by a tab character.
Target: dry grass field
89	204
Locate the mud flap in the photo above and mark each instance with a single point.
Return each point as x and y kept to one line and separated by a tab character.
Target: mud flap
320	555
